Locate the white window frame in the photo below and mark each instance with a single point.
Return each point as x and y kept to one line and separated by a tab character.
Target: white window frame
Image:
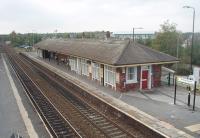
95	71
84	67
73	63
79	66
109	75
134	80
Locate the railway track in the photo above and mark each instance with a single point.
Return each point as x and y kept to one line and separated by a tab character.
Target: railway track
55	122
64	114
103	124
106	126
2	49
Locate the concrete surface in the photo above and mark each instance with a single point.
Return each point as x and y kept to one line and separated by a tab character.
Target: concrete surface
154	103
10	117
26	124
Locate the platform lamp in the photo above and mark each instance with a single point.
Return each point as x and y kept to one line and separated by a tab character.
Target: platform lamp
191	54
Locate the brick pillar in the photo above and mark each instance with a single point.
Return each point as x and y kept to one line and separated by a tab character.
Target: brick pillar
122	79
156	70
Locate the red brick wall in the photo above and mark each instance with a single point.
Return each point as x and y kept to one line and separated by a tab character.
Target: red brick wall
122	78
156	70
121	86
61	56
132	86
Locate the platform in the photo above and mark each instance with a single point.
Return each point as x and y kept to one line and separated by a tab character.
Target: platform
148	120
17	116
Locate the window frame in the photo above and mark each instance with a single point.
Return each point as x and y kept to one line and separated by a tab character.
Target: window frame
109	75
84	67
95	71
73	63
134	80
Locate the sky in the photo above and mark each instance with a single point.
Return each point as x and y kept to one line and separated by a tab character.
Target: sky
46	16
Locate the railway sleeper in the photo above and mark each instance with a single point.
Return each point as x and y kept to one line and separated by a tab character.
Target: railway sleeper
62	133
104	124
100	121
91	114
96	120
116	133
54	119
50	114
111	129
106	127
121	136
59	128
55	123
48	110
46	106
97	117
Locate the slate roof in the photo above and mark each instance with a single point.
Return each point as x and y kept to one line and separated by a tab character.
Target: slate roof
113	52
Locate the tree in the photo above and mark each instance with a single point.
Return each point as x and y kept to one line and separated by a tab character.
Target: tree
18	39
147	42
196	49
166	39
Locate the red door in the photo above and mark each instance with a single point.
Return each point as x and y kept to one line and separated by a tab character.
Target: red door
144	79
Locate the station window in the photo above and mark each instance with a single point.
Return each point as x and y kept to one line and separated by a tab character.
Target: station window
131	74
84	67
109	75
73	64
95	71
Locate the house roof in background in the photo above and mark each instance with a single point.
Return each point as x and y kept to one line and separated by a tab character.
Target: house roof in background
113	52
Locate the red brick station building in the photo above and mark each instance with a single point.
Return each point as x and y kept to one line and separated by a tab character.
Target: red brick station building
119	64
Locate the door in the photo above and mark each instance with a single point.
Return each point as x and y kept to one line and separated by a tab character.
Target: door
144	79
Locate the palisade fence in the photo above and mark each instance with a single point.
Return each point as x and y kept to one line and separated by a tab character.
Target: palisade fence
168	79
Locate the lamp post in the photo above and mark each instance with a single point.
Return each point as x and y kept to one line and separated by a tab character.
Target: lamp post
177	51
134	33
33	37
191	54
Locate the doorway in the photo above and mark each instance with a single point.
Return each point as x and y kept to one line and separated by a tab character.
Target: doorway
145	74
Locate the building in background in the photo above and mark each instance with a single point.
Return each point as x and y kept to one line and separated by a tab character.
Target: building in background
137	36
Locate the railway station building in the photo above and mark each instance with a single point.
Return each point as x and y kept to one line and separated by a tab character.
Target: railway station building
119	64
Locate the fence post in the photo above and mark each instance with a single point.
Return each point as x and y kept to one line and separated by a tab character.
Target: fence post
175	90
169	79
195	85
189	98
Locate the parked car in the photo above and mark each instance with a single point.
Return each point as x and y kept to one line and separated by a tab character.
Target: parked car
28	47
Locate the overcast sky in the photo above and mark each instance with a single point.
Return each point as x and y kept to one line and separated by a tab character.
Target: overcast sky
44	16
